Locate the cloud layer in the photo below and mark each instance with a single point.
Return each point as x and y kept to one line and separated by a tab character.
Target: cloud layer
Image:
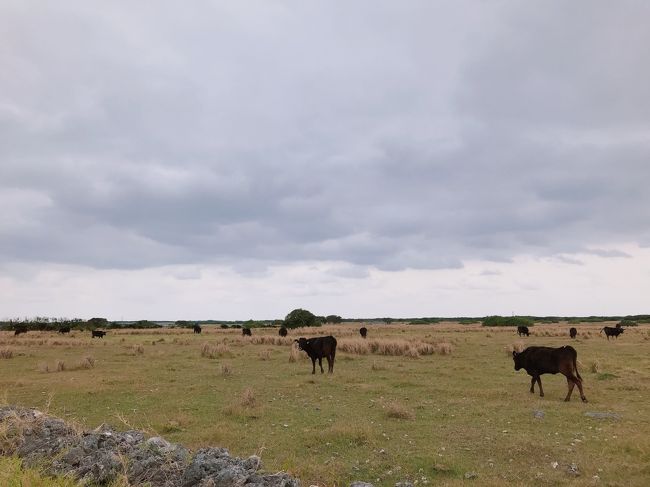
368	134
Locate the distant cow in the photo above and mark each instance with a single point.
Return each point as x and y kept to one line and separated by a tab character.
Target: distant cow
547	360
317	348
573	332
197	329
246	332
523	330
282	332
98	334
612	332
363	331
20	330
65	329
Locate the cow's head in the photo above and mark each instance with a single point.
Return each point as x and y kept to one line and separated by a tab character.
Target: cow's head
302	343
516	356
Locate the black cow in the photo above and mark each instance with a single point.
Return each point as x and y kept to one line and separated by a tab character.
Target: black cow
317	348
65	329
97	333
612	332
20	330
547	360
573	332
246	332
282	332
363	331
523	330
197	329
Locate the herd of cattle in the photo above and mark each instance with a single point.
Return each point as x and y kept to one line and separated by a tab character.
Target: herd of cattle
536	361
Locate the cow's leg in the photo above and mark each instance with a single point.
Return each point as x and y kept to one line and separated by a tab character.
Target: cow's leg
329	364
570	384
539	382
532	385
578	382
313	365
320	362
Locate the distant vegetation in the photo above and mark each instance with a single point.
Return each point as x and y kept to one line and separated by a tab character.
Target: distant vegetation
507	321
301	317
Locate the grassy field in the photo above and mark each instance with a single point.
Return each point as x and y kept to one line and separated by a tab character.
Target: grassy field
424	403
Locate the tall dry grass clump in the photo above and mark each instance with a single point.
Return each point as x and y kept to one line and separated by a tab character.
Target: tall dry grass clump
270	340
264	355
248	399
215	351
60	365
596	367
137	350
6	353
293	355
393	347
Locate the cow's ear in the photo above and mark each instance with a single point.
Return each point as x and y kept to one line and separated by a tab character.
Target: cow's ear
514	353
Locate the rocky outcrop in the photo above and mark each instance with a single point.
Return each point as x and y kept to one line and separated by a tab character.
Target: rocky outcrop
100	456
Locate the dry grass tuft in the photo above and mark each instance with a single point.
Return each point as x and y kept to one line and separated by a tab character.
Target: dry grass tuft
394	347
215	351
60	365
376	366
248	399
596	367
226	370
397	410
137	349
6	353
87	362
264	355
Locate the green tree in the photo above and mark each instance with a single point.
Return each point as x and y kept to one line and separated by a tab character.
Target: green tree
336	319
300	317
93	323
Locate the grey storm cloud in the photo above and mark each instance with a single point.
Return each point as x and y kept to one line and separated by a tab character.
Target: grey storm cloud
377	134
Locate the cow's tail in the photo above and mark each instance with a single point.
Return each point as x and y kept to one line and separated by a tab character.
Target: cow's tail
575	365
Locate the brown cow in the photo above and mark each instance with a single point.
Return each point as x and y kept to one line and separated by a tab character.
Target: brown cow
547	360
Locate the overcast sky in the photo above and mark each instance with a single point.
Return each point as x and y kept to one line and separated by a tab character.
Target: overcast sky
236	160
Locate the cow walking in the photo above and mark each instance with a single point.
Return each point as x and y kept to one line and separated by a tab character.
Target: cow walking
612	331
317	348
547	360
97	334
573	332
523	330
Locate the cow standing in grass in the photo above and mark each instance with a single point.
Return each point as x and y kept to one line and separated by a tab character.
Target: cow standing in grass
197	329
547	360
65	329
97	334
573	332
523	330
20	330
282	332
612	332
246	332
363	332
317	348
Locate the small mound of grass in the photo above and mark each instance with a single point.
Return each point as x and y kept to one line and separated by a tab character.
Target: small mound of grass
606	376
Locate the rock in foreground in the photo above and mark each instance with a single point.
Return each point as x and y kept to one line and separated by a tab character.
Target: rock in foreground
100	456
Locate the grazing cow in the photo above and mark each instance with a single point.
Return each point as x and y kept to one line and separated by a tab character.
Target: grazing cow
19	331
612	332
246	332
317	348
65	329
282	332
363	331
547	360
197	329
98	334
523	330
573	332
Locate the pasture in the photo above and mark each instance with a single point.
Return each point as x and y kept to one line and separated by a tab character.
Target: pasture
434	404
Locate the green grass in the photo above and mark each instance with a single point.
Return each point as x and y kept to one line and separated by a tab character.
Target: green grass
379	418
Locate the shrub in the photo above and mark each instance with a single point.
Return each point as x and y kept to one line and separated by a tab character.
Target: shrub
627	322
507	321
